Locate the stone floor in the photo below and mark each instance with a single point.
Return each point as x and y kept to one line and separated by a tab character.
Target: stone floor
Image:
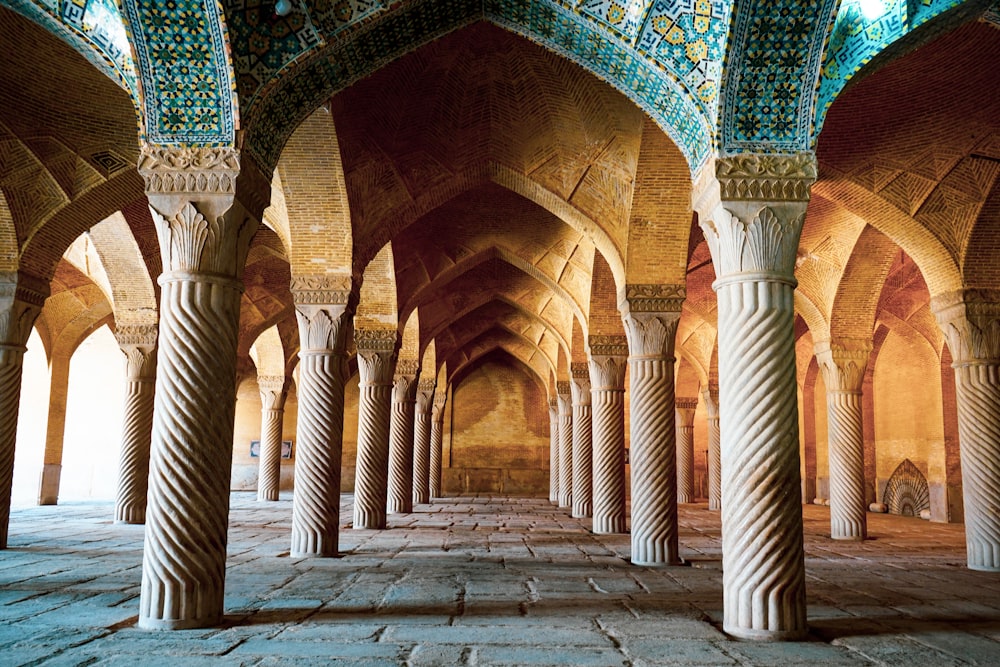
486	581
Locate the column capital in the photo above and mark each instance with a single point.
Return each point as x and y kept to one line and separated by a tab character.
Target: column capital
970	319
710	395
377	350
272	391
21	299
554	405
324	328
580	385
425	395
136	335
310	291
607	372
655	298
843	364
437	411
608	346
651	334
404	381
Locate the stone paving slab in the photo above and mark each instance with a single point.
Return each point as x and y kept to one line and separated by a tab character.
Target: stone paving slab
486	581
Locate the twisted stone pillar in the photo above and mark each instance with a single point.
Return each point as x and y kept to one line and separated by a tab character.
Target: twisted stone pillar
138	343
437	438
204	236
711	397
422	442
55	430
650	314
399	499
583	502
751	211
324	311
685	449
565	444
607	374
376	366
273	392
843	366
971	321
21	299
554	451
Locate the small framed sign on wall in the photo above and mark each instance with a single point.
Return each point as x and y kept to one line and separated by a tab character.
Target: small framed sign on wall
286	449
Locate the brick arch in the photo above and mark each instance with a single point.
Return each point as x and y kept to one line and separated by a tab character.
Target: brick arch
603	316
479	336
377	306
409	347
268	352
855	304
456	373
132	293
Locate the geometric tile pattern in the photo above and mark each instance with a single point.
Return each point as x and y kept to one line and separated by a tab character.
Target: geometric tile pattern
93	27
773	64
862	29
183	60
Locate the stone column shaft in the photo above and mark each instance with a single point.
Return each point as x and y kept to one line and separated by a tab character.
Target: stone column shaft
583	503
138	343
685	449
21	300
324	311
554	451
272	416
55	431
204	236
608	359
565	444
437	439
843	367
422	442
751	210
399	498
376	366
971	321
711	397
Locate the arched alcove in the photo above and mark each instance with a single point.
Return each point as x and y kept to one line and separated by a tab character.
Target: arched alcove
906	492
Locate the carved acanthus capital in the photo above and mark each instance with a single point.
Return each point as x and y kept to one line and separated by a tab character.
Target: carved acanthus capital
377	350
272	391
322	290
970	319
607	372
425	395
843	364
652	298
140	362
766	177
752	241
324	328
205	239
608	346
553	406
404	382
564	394
685	408
580	386
651	335
711	397
172	170
21	299
437	412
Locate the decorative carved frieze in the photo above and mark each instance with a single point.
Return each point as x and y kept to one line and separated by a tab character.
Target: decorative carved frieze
136	335
766	177
579	371
616	346
189	170
21	299
321	289
686	403
654	298
563	388
409	368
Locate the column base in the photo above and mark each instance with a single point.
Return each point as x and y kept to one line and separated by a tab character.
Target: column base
848	538
672	563
179	624
983	568
307	554
130	522
752	634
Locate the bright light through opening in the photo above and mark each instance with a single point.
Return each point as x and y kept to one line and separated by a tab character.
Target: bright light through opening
872	9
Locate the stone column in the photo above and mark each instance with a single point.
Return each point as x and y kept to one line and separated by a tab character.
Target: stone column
204	235
971	321
399	498
437	438
138	343
843	366
324	309
554	451
751	210
583	502
650	314
608	356
711	397
563	392
422	442
376	367
273	392
55	429
21	299
685	408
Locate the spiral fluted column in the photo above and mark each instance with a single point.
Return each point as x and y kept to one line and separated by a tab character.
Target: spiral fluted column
685	449
437	441
204	238
376	366
608	356
399	497
843	366
751	211
565	444
324	311
711	397
422	441
583	500
650	321
971	321
138	343
273	392
554	451
21	300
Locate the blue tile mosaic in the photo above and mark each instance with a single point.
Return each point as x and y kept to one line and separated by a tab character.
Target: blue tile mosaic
182	56
863	29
